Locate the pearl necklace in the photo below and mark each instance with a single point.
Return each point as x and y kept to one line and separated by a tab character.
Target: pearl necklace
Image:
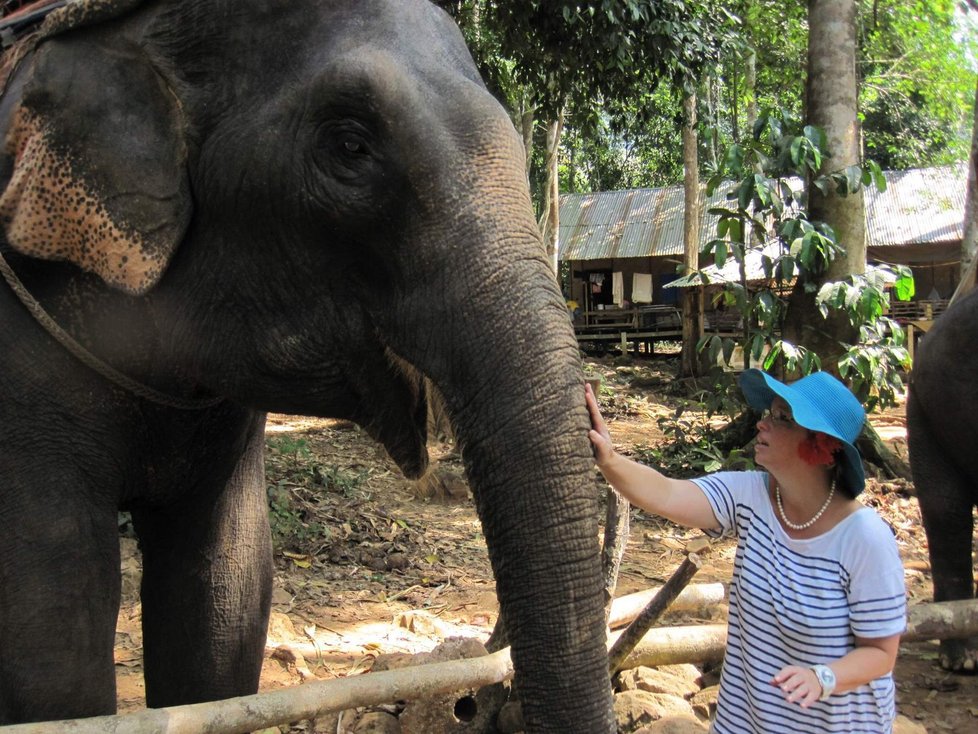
802	526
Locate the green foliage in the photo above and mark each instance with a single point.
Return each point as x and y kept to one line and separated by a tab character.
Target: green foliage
563	52
767	218
917	62
620	153
873	365
300	484
692	448
575	51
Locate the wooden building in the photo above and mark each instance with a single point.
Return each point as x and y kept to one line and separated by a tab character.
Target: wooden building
620	250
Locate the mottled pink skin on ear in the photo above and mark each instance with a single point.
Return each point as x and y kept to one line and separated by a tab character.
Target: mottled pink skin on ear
49	213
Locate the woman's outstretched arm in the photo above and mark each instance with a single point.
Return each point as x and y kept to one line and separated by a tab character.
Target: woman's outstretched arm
679	500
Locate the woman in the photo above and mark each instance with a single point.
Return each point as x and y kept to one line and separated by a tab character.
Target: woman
817	600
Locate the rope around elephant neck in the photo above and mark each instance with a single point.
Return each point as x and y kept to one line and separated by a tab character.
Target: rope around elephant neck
87	358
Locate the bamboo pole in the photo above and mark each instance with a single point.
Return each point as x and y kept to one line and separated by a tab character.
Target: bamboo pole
249	713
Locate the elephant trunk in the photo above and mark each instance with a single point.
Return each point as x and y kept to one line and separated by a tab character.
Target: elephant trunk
479	312
529	462
506	361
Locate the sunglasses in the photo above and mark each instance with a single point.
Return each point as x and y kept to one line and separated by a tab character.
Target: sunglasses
778	416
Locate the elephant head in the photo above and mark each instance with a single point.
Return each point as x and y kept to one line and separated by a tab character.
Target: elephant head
297	200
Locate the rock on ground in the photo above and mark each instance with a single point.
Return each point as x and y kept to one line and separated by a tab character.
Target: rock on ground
635	709
903	725
675	725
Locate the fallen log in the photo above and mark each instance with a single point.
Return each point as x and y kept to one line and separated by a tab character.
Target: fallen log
661	646
694	598
942	621
697	644
249	713
706	643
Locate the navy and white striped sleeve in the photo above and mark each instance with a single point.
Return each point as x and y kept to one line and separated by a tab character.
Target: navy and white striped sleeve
725	491
876	590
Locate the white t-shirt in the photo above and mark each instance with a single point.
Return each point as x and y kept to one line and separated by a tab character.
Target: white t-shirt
802	602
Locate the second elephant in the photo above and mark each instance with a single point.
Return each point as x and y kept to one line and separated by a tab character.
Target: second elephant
942	422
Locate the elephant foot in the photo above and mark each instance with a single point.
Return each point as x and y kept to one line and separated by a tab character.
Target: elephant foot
960	656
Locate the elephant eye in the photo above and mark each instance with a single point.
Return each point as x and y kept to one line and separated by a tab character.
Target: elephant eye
352	145
347	151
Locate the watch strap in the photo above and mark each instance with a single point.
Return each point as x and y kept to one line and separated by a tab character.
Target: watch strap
826	679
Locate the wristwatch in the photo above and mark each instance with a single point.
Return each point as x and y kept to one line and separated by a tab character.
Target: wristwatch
826	678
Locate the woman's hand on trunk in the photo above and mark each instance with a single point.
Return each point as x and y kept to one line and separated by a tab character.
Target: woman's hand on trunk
599	434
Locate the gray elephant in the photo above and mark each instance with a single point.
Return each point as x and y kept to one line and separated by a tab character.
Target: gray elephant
227	207
942	421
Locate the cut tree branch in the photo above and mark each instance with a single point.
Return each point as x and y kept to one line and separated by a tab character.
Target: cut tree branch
250	713
694	598
650	615
615	540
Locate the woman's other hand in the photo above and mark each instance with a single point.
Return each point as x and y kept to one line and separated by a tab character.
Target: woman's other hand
799	685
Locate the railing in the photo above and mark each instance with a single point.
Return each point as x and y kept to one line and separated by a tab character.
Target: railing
648	323
723	322
649	318
906	312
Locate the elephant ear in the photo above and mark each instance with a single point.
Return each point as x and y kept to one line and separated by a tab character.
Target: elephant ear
98	162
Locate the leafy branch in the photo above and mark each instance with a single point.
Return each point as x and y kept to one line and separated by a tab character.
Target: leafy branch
767	222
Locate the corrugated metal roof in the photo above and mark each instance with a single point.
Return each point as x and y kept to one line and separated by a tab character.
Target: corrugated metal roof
918	206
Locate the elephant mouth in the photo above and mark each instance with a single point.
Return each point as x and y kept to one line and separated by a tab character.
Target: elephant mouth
396	417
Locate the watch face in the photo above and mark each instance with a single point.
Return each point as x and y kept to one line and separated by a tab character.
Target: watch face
825	676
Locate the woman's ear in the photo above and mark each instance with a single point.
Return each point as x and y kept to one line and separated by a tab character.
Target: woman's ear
98	162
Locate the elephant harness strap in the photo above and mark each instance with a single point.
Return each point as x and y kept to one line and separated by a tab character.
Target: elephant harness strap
21	16
87	358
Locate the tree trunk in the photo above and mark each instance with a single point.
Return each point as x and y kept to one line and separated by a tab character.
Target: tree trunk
713	123
876	452
750	90
692	325
832	96
969	243
832	104
526	128
734	111
550	216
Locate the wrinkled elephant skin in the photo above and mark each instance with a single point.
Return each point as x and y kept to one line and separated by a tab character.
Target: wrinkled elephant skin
304	207
942	421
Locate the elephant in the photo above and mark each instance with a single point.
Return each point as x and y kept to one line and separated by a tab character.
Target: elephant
941	421
218	209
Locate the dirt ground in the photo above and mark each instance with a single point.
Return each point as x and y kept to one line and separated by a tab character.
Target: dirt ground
366	566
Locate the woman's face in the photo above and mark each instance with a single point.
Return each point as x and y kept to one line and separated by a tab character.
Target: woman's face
778	437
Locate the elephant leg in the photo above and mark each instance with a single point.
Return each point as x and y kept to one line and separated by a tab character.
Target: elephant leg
946	500
206	590
59	600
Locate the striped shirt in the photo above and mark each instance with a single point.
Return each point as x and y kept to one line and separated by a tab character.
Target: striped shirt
802	602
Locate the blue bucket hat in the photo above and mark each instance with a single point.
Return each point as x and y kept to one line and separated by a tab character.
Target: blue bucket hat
819	402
